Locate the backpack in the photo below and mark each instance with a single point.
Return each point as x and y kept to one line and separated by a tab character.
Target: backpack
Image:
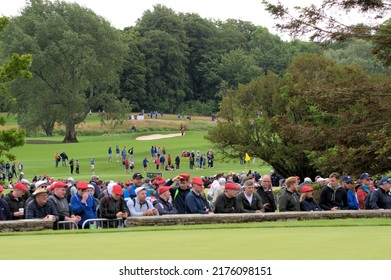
134	202
106	201
367	200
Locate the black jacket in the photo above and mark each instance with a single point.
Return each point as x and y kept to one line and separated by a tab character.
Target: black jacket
244	205
225	204
178	198
164	207
267	197
14	204
36	211
380	199
330	198
289	201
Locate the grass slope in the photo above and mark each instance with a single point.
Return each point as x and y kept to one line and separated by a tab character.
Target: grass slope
38	159
317	240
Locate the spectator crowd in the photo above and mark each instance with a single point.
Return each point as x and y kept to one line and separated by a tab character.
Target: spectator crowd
69	202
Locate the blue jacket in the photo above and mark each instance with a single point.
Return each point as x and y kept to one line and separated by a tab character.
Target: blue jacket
352	200
309	204
194	204
131	192
5	213
85	210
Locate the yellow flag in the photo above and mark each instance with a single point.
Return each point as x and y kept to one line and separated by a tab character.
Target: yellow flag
247	158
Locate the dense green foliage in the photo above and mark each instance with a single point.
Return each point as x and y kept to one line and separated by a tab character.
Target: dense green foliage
77	57
17	66
168	61
320	117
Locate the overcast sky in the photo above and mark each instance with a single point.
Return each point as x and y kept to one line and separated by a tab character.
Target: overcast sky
123	13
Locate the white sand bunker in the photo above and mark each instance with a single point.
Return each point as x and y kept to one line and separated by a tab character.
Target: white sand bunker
158	136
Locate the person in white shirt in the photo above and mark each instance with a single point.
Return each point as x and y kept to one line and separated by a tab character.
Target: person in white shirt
249	200
140	205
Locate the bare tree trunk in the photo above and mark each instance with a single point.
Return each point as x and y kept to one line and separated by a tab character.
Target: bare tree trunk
70	134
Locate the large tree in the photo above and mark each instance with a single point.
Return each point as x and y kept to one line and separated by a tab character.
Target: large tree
77	57
14	68
320	117
164	46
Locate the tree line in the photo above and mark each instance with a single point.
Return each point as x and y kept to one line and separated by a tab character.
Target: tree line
302	107
167	61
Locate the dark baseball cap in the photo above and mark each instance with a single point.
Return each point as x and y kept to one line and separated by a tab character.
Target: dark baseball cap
137	176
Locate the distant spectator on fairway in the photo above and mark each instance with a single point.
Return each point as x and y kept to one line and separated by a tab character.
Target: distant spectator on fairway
145	164
92	162
71	165
289	199
249	200
140	205
64	158
20	167
163	204
110	154
126	164
77	167
177	162
83	204
123	154
117	153
57	159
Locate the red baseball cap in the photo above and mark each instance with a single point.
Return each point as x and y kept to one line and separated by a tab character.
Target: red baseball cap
158	182
197	180
184	176
1	188
20	186
305	189
57	185
231	186
82	185
117	189
161	190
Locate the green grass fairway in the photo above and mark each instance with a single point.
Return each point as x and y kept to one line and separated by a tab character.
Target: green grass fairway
354	239
38	159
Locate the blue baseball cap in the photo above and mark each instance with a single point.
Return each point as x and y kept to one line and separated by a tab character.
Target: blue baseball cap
347	180
385	180
365	175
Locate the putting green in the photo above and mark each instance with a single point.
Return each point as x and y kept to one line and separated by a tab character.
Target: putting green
317	240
